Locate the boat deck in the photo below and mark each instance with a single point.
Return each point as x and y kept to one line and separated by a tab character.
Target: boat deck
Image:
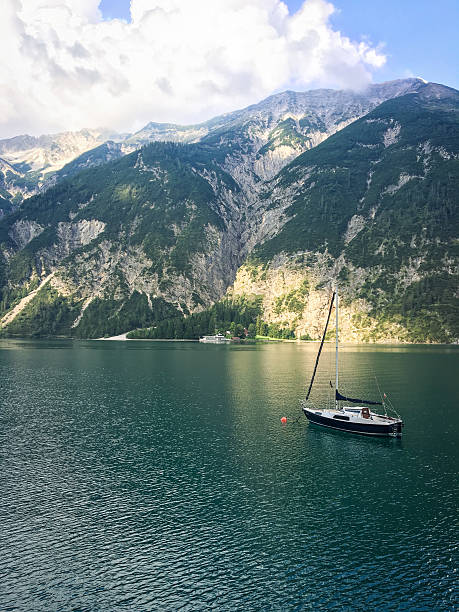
352	420
354	415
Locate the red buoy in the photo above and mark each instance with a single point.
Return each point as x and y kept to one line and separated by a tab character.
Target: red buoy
283	420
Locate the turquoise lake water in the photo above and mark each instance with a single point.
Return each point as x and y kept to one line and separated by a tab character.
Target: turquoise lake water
157	476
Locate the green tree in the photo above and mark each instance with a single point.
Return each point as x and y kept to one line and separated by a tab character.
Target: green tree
252	329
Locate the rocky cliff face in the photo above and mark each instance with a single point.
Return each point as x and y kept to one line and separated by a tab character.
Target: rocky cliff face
164	230
46	154
296	291
379	202
259	140
31	160
161	223
13	187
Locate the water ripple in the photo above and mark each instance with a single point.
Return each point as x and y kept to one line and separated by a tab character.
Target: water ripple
159	478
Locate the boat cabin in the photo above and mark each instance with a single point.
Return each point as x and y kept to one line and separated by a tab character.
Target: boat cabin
362	411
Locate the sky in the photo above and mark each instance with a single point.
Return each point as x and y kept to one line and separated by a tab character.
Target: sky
69	64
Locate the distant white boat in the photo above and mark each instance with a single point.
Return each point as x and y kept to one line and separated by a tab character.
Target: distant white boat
217	339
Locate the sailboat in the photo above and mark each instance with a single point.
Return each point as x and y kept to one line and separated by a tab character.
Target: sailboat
359	418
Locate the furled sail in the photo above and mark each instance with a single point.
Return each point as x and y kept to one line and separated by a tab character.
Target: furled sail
353	400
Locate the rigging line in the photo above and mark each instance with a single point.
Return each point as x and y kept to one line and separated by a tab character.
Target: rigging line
321	345
302	413
381	395
386	401
392	408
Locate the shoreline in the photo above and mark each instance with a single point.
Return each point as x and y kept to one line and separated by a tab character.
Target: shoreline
124	338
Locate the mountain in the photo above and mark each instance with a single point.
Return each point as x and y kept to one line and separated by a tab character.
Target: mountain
259	140
166	230
377	206
262	138
153	230
31	160
104	153
13	186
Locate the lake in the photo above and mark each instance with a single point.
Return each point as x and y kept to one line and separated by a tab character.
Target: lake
158	476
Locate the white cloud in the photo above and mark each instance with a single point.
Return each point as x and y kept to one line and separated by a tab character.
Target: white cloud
63	67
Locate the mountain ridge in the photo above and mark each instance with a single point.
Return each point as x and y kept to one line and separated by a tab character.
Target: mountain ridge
164	231
38	161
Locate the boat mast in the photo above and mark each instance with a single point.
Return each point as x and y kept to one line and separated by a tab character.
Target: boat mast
321	346
336	342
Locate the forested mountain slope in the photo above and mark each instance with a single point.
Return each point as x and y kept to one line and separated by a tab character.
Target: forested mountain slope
377	206
157	223
259	140
163	231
